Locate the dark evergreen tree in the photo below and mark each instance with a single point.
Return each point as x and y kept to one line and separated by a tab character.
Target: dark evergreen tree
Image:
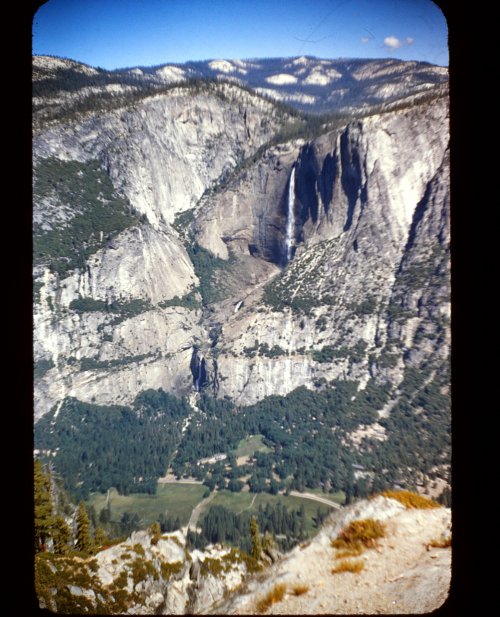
43	507
83	540
100	537
105	514
256	551
155	531
62	535
92	516
129	522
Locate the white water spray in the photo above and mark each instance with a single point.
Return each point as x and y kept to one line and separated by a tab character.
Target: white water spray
290	221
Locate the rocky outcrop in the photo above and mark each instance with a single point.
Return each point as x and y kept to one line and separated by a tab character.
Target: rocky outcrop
408	571
144	575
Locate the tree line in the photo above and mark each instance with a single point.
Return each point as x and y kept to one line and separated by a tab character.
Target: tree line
306	434
58	534
98	447
286	526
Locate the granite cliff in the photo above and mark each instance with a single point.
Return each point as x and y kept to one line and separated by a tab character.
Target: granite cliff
199	265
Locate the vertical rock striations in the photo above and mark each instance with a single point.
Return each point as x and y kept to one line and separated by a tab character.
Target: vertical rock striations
372	197
358	216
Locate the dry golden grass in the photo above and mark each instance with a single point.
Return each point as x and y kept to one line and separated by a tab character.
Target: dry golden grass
444	542
276	594
411	500
300	590
359	535
351	552
348	566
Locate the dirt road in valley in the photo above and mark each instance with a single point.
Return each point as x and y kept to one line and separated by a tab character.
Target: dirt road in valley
249	506
195	514
317	498
170	481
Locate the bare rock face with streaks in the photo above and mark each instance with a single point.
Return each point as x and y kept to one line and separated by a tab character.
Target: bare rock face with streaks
160	156
361	218
203	257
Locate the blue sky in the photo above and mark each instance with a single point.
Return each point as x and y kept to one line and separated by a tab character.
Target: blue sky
123	33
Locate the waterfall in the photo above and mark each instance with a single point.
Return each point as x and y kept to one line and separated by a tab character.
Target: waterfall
198	376
198	370
290	220
201	374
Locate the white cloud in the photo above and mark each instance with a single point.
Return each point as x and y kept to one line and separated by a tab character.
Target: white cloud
392	42
364	39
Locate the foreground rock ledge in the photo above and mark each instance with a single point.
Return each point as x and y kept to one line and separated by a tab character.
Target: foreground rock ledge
403	575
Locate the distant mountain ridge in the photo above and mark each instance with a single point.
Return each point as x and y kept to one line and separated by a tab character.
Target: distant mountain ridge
305	82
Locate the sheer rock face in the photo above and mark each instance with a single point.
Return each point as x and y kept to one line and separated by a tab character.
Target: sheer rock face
371	203
160	154
163	152
371	209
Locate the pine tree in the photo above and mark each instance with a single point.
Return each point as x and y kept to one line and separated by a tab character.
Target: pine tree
302	529
155	531
105	514
43	507
268	543
92	516
255	537
83	540
61	535
100	537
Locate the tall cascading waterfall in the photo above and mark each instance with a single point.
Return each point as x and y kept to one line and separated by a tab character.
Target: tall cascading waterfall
290	220
200	376
198	370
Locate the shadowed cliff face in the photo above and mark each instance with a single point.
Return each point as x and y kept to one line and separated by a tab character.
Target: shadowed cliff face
307	184
198	371
362	196
326	180
351	173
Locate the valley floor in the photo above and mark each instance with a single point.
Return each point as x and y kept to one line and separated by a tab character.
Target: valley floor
185	499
